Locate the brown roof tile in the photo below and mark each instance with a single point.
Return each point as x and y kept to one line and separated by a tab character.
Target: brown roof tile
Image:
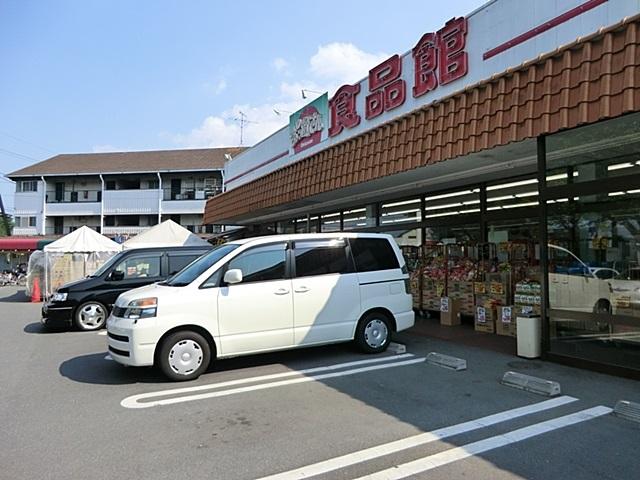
116	162
596	77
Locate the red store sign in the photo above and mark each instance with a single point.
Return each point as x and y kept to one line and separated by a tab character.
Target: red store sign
438	58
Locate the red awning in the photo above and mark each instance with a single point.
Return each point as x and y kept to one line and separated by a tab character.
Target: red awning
8	243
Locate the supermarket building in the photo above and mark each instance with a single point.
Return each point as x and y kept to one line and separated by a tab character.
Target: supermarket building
515	127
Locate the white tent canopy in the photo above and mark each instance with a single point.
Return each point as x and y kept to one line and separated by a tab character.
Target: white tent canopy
165	234
83	240
75	256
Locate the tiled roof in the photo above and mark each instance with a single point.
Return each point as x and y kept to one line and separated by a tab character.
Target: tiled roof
594	78
116	162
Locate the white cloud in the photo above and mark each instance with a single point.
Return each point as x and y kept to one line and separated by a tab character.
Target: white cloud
344	62
280	64
221	86
104	148
330	67
215	88
224	129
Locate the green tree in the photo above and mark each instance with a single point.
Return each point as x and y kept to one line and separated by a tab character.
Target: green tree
4	221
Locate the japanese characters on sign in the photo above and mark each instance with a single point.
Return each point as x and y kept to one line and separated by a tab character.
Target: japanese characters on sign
342	109
438	58
387	89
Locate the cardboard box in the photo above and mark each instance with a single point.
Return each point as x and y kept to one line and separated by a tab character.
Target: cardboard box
485	320
431	304
449	311
506	321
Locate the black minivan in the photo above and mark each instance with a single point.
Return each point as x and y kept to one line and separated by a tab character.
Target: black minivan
86	303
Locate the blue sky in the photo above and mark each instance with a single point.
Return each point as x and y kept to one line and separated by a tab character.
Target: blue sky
85	75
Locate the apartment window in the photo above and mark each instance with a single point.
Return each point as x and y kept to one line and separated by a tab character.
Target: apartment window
153	184
110	185
28	186
32	221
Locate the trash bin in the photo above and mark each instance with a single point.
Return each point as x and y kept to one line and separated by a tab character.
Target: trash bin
529	336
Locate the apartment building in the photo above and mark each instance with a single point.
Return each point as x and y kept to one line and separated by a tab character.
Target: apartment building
118	193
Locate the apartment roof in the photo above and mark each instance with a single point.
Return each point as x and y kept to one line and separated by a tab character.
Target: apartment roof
125	162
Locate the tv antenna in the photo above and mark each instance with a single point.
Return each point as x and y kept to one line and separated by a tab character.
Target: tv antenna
242	119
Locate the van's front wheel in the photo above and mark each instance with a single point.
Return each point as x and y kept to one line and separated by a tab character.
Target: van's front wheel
373	333
184	356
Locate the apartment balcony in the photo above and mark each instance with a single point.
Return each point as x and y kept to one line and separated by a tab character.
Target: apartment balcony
170	207
131	202
187	200
82	209
132	230
25	231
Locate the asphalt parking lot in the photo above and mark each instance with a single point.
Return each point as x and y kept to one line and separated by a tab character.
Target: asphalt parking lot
328	413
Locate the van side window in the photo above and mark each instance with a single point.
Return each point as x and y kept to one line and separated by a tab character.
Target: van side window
139	266
261	264
320	257
178	261
371	254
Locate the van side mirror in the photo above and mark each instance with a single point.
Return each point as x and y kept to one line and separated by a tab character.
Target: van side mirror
116	275
233	276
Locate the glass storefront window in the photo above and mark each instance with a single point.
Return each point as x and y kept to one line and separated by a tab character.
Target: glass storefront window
301	225
399	212
330	222
594	245
307	225
454	203
467	234
359	218
287	226
517	194
595	152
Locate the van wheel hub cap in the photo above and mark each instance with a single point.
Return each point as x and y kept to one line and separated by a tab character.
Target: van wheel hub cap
376	333
92	315
185	357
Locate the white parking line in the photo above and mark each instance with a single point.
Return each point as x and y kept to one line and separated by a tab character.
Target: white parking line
417	440
459	453
108	357
102	332
133	401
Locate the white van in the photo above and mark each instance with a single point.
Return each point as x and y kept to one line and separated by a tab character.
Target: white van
264	294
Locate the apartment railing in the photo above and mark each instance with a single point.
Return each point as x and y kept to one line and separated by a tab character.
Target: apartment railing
74	196
190	193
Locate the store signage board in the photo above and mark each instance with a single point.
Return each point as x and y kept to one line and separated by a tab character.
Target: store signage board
439	58
309	125
447	59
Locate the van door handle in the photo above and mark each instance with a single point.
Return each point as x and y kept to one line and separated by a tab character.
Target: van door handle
281	291
301	289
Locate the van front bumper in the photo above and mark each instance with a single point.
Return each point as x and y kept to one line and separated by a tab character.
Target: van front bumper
57	316
131	343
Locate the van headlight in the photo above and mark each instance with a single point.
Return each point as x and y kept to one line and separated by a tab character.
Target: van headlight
142	308
59	297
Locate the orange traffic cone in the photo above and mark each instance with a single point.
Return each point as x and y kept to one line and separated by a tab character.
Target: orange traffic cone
35	290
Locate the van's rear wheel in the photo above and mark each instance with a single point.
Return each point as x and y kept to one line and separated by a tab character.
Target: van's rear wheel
184	356
373	333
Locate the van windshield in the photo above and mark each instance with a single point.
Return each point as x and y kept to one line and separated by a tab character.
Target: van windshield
196	268
107	265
